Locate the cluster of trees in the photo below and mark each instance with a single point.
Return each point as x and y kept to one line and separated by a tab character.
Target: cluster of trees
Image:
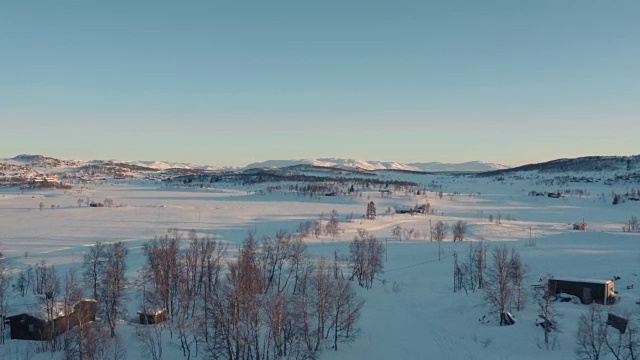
632	195
273	301
4	285
104	268
364	180
631	226
399	233
469	275
502	280
316	228
365	258
437	232
104	274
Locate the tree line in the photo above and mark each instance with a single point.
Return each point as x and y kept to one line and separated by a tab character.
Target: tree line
272	300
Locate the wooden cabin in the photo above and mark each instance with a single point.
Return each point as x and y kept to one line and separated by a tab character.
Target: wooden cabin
580	226
600	291
148	317
30	327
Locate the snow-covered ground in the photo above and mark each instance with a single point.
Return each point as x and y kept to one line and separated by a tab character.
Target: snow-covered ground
412	311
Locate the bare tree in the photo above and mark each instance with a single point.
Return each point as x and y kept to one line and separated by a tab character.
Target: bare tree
51	289
317	228
105	346
4	285
273	258
151	337
591	336
345	312
470	274
93	264
546	313
396	232
301	267
518	273
21	285
409	233
304	228
237	321
631	226
440	231
162	260
332	227
365	259
459	230
112	285
498	290
72	294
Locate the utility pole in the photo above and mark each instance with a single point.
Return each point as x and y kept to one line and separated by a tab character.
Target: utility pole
335	263
386	249
455	271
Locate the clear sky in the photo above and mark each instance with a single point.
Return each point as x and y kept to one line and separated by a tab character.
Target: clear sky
232	82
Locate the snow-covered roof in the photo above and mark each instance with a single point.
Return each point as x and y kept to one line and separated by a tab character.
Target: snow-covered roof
36	307
591	281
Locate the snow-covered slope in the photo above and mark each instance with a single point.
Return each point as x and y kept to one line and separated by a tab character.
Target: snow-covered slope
608	164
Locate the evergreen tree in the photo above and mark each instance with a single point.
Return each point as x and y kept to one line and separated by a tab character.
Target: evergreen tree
371	211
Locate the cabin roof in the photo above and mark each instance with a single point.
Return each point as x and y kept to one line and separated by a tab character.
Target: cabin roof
590	281
38	309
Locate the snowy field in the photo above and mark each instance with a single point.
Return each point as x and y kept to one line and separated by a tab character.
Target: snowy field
411	312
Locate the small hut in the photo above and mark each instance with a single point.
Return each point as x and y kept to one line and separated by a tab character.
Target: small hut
148	317
580	226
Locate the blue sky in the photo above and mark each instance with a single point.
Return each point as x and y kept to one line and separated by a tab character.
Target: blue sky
232	82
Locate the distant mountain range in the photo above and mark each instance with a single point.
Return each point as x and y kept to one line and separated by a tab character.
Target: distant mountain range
39	164
347	164
352	164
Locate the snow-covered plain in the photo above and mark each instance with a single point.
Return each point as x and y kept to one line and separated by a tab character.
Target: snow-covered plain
412	312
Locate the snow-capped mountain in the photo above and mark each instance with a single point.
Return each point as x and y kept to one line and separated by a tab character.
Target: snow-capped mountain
352	164
476	166
165	165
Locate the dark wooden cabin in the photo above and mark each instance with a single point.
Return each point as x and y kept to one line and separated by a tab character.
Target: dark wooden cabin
153	317
580	226
600	291
29	327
